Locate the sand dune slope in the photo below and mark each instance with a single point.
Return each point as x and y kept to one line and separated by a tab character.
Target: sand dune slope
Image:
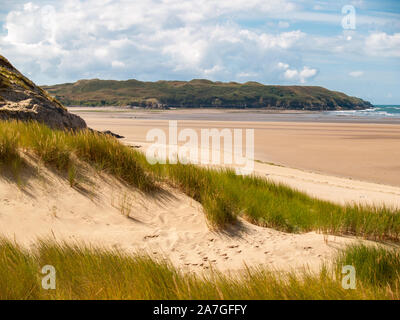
169	225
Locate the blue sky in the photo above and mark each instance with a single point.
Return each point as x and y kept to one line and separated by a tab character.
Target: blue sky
273	42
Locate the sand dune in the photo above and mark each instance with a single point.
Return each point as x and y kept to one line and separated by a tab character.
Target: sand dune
103	212
170	225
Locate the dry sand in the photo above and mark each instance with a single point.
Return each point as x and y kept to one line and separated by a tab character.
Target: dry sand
340	162
362	151
173	225
170	225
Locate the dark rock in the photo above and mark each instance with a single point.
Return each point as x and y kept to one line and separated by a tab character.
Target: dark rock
21	99
115	135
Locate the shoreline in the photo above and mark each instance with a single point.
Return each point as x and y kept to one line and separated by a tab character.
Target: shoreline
222	114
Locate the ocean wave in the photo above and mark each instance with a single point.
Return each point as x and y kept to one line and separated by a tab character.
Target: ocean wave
377	111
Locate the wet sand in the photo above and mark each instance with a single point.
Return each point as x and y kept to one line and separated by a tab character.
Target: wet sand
361	151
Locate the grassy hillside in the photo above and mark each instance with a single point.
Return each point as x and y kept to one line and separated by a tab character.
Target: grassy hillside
11	78
202	94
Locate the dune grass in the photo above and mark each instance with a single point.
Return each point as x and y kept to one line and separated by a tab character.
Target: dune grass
9	155
377	266
223	194
59	149
90	273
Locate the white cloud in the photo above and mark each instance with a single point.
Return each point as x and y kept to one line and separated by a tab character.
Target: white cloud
383	44
282	65
356	74
297	75
174	39
146	39
300	75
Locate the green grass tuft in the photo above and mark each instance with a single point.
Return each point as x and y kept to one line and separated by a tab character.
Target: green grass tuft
225	196
59	148
377	266
92	273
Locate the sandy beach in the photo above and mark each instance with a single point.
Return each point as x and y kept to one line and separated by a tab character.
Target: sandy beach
362	151
339	162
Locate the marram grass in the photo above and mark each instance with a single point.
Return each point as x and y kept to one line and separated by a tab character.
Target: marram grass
90	273
58	148
224	195
375	265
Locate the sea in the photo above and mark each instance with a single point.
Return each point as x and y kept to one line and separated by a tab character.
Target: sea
377	112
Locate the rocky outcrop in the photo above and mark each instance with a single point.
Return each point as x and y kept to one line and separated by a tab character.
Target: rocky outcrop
21	99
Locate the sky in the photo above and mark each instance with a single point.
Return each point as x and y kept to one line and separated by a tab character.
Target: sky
348	46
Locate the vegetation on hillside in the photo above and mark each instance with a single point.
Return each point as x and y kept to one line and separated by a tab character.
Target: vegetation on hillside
201	94
11	77
93	273
224	195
